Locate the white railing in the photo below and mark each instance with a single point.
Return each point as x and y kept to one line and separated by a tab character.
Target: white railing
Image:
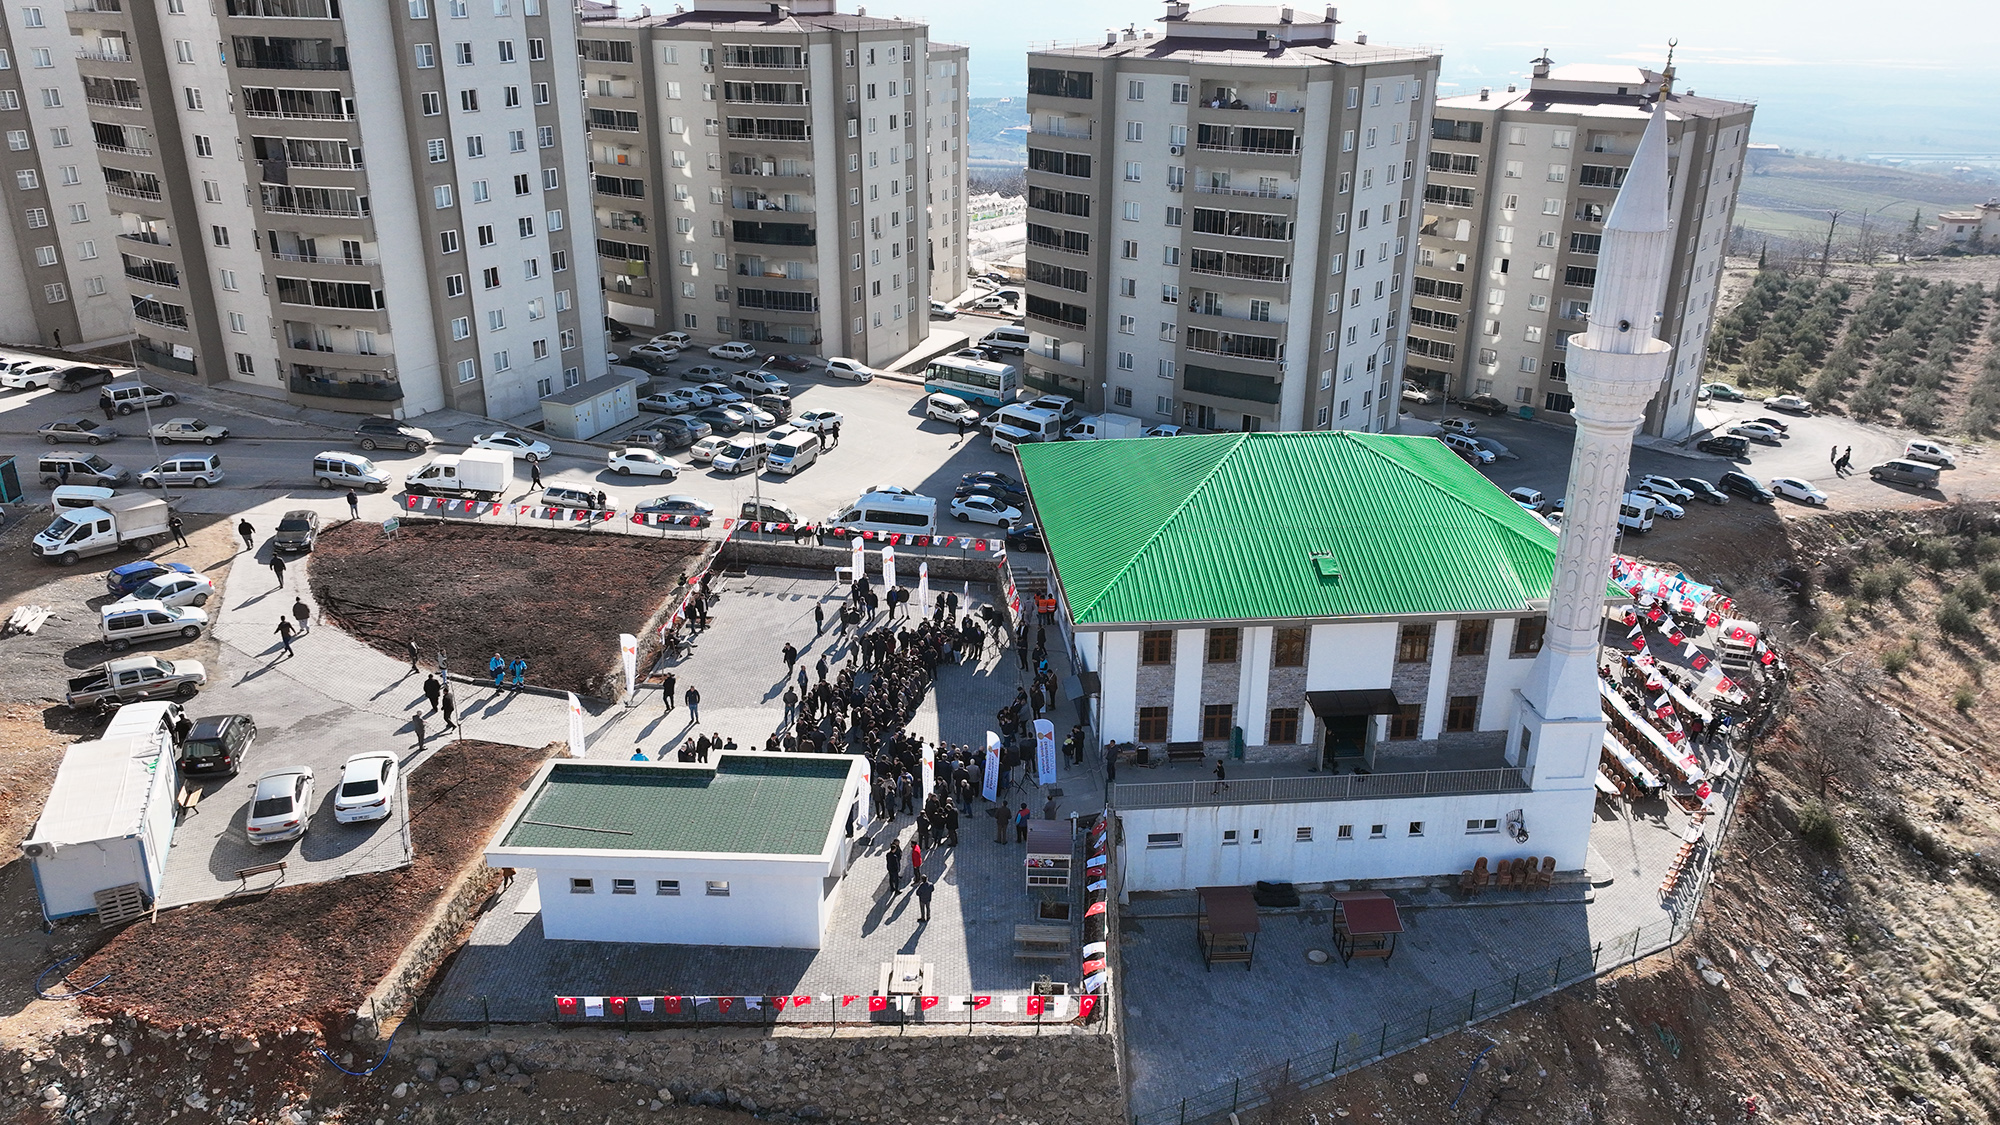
1314	787
1254	193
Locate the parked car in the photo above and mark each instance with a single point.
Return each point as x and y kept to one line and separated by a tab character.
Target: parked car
644	462
742	453
1528	498
1011	496
703	452
1464	426
725	422
675	505
795	363
1791	404
1930	453
133	678
759	383
704	373
187	429
616	329
942	311
1484	404
1793	488
216	744
676	339
684	429
1663	505
767	512
1704	490
1027	537
1751	431
563	496
721	394
123	622
367	788
992	301
734	349
1783	429
1164	429
297	531
840	367
984	476
131	576
513	441
77	430
1664	486
662	352
129	396
374	433
173	588
951	410
281	806
985	509
1414	393
1746	486
680	400
1722	392
1735	448
184	472
651	365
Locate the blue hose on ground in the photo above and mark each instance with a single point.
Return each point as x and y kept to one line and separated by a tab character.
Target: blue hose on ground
1469	1071
76	992
321	1052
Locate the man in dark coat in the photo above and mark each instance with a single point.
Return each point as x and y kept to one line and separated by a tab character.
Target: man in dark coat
894	858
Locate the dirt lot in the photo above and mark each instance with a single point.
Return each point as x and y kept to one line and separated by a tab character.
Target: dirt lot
303	957
433	583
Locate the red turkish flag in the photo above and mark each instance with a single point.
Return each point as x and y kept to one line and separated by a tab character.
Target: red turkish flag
566	1005
979	1002
927	1002
1679	638
725	1002
616	1004
801	1001
878	1003
1725	684
673	1005
846	1000
1639	643
1714	619
1769	657
1093	909
1700	661
1654	614
779	1002
1085	1005
1702	790
1035	1004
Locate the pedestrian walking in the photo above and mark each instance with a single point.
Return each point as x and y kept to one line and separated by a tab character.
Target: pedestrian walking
535	474
248	533
518	670
819	619
1221	778
433	691
791	700
449	707
1834	457
1049	807
923	899
109	413
417	724
284	631
805	684
791	656
180	531
821	667
835	433
278	568
961	426
667	693
498	666
303	612
693	700
894	858
1021	824
1110	764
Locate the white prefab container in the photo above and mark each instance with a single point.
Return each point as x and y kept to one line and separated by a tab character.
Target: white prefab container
592	407
108	822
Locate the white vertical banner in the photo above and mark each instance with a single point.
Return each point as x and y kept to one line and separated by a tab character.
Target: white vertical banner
930	770
860	559
1045	751
989	786
576	747
888	568
924	589
628	648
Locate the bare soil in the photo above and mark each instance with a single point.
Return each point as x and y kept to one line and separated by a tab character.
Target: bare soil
558	598
303	957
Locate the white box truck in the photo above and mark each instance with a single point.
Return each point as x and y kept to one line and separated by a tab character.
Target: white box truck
108	821
1092	426
477	474
137	520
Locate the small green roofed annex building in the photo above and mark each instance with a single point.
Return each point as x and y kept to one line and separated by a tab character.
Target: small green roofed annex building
1357	613
747	850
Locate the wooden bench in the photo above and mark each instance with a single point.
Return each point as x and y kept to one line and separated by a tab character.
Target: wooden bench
1041	943
244	874
186	800
1186	751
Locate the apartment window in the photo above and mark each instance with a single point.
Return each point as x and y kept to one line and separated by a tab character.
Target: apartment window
484	234
1170	294
1475	826
562	300
26	179
1406	722
1528	633
468	370
545	136
1416	828
1302	835
531	268
496	320
31	17
1132	169
582	887
624	886
426	55
86	250
1558	173
1413	643
236	323
1162	839
480	194
454	285
441	196
1128	287
1461	713
1230	838
1135	92
202	147
1128	325
1288	648
229	279
1284	725
1224	645
45	255
552	179
420	9
1156	646
1471	638
433	103
461	327
17	139
501	362
490	277
475	147
463	53
1216	721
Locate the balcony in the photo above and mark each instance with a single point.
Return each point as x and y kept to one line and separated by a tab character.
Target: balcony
1316	787
146	355
124	150
314	383
93	6
1255	149
132	192
776	170
1053	129
325	259
153	273
293	115
103	56
763	58
114	103
1224	98
1246	193
285	9
165	316
775	131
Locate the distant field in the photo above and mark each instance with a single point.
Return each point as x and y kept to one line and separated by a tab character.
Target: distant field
1791	195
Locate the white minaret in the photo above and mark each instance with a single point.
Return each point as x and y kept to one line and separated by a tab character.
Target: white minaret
1615	367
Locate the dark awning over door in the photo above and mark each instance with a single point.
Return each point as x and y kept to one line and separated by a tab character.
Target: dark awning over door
1346	704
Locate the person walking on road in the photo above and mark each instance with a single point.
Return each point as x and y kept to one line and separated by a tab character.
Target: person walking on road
894	858
923	899
819	619
693	700
303	612
433	691
411	647
249	535
417	725
667	693
450	707
180	531
791	655
284	631
534	474
278	568
791	701
835	434
353	505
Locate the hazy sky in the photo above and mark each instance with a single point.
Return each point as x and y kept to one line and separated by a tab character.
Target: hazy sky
1839	72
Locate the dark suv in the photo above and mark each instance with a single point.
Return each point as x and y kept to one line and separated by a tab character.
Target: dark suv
373	433
1746	486
217	744
77	378
1734	448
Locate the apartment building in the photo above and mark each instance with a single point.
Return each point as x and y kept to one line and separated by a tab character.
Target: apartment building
787	175
58	238
1513	218
1220	223
366	208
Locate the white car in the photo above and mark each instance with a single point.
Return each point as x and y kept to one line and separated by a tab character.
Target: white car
519	444
188	429
740	453
951	409
281	807
1663	486
676	340
1796	489
734	349
1755	431
1663	505
818	421
172	588
994	301
985	509
643	462
840	367
1793	403
704	373
760	383
657	351
1418	394
718	394
703	452
1164	429
1464	426
1528	498
367	788
681	400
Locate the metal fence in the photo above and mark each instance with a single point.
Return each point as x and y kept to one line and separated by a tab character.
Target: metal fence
1314	787
1359	1049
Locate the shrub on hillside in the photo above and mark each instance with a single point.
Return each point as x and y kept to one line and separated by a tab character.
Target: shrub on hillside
1818	828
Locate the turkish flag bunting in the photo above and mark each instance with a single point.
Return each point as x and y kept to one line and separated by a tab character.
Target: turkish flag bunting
895	537
1094	909
1654	614
1725	684
1675	736
1035	1004
801	1001
779	1002
979	544
673	1005
1699	662
725	1002
846	1000
923	540
981	1001
566	1005
1714	619
1769	657
1679	638
878	1003
1639	643
1085	1005
617	1004
1090	967
927	1002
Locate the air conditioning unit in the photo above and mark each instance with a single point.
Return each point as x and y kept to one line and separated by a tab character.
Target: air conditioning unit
1174	187
40	849
1176	149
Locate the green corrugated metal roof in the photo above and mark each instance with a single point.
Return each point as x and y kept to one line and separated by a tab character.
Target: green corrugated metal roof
780	805
1231	527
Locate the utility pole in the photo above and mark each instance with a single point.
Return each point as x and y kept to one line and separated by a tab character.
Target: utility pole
1826	258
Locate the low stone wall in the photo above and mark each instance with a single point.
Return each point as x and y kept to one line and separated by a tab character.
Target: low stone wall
442	933
928	1075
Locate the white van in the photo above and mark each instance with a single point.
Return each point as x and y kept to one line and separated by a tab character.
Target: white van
336	469
1007	339
1467	448
80	496
887	512
1929	452
125	622
793	453
1039	425
1636	512
1006	439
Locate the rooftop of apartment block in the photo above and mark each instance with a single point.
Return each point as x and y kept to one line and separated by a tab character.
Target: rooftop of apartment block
795	17
1601	90
1239	35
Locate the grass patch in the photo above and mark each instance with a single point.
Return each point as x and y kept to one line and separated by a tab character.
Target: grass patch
1818	828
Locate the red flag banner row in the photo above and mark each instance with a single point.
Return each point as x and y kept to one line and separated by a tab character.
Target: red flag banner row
832	1007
